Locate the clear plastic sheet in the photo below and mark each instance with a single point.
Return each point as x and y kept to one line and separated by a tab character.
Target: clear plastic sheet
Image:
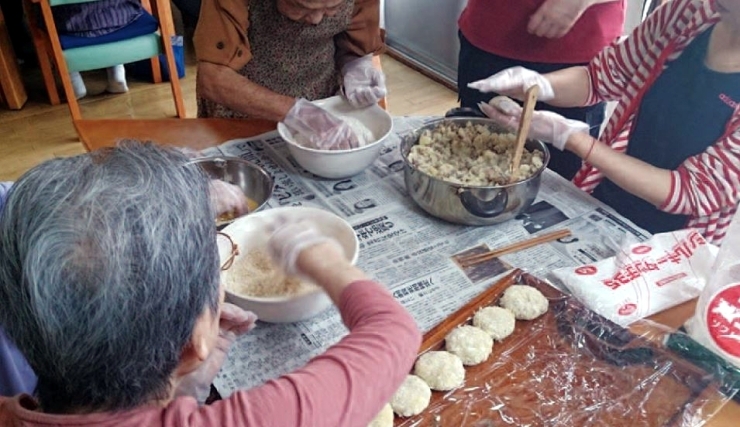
572	367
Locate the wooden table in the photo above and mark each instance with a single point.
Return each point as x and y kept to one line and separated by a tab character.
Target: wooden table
203	133
191	133
11	84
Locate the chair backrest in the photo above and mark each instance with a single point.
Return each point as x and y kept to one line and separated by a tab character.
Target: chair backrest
114	51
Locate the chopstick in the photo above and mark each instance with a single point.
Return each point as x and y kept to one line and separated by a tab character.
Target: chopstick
471	260
438	333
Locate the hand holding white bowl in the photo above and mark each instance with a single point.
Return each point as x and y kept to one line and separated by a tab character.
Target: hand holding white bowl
364	84
317	128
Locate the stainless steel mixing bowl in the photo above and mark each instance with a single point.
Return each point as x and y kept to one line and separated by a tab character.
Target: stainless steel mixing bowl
255	182
470	205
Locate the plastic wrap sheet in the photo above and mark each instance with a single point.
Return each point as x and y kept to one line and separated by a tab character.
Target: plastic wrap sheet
572	367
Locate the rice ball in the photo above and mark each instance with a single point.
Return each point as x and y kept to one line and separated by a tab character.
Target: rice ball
412	397
472	345
498	322
526	302
384	417
441	370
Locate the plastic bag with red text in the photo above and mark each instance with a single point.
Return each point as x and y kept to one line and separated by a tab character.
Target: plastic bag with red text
644	278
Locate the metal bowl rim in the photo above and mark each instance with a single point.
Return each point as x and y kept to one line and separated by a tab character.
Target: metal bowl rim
269	181
260	169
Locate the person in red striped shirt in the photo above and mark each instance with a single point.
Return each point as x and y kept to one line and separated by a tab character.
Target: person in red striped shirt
669	157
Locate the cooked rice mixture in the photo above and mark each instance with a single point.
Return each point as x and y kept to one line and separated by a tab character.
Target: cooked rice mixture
254	275
471	155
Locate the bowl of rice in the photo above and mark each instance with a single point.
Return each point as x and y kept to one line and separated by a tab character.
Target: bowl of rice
255	283
372	125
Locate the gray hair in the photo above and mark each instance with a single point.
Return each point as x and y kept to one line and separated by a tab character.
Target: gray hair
106	261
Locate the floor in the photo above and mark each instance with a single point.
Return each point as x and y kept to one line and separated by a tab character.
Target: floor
41	131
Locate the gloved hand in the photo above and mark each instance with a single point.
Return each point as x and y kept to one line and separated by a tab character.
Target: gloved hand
514	82
290	238
227	198
546	125
233	323
314	127
364	84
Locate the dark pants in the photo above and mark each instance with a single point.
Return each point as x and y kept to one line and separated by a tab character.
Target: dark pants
476	64
190	10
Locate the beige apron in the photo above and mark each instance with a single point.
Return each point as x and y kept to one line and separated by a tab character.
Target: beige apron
288	57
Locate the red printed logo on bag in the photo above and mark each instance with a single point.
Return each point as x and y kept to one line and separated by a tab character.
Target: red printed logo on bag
627	309
586	270
723	319
641	250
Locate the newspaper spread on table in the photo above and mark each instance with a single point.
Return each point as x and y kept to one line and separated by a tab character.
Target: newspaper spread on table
409	251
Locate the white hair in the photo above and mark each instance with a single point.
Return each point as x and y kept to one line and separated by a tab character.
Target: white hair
106	261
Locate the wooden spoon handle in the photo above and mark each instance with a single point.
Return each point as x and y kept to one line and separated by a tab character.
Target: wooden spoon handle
530	99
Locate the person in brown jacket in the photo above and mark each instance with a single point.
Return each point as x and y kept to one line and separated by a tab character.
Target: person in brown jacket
269	58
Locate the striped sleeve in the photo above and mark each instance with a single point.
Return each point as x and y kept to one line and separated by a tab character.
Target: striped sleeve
624	66
707	182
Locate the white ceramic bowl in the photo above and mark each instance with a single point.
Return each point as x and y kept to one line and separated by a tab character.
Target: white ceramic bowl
336	164
249	232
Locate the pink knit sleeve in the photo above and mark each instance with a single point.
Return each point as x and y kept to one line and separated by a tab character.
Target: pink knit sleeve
345	386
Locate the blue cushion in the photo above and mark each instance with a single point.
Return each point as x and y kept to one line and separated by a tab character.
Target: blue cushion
145	24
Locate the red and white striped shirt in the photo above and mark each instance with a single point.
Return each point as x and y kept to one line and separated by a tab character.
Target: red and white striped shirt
706	186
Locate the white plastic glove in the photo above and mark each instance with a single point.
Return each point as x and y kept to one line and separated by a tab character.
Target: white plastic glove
364	85
289	238
227	197
233	323
315	127
514	82
546	125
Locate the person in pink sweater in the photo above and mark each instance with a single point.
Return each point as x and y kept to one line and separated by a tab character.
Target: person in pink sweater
111	290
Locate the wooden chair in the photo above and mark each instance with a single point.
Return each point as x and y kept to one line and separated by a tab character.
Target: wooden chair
12	91
103	55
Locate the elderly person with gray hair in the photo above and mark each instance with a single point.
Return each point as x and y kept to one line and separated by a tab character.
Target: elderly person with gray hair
111	290
15	374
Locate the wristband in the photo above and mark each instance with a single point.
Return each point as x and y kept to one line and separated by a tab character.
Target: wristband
590	150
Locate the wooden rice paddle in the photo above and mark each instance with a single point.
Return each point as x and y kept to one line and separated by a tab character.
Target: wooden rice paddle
530	99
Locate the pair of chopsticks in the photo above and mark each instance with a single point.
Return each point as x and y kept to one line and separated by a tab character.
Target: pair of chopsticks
472	260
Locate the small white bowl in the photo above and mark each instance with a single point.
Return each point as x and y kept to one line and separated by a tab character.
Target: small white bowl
249	232
337	164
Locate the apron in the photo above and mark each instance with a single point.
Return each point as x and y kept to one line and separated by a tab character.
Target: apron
288	57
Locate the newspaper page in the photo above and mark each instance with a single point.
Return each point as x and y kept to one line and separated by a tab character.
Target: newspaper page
408	250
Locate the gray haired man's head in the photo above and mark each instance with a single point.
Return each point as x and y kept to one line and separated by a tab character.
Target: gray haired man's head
106	261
